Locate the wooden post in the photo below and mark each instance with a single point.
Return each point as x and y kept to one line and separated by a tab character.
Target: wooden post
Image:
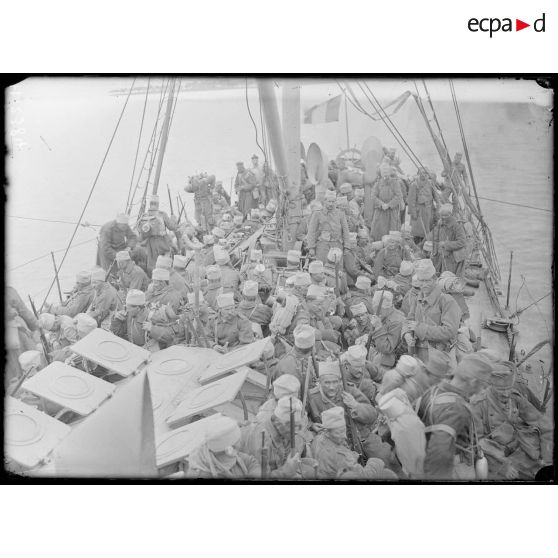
56	276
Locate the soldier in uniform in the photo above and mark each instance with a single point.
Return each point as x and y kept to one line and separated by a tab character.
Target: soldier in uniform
277	442
327	229
387	198
357	203
244	186
353	221
410	297
160	293
230	328
360	325
351	264
230	278
334	256
286	385
130	275
445	410
153	227
255	257
414	377
182	278
433	318
421	199
218	457
388	260
213	274
459	169
403	278
329	393
201	186
335	459
385	329
358	371
114	237
315	305
129	324
360	293
78	301
299	358
449	243
514	435
105	300
252	308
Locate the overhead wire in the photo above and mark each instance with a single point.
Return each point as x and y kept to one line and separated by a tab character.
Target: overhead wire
252	119
92	188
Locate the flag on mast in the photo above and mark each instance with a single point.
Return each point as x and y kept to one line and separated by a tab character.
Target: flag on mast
324	112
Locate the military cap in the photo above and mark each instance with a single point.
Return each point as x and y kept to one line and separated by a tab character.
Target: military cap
260	268
438	364
98	274
426	270
315	205
363	282
83	277
346	187
286	385
239	164
362	232
250	288
160	274
316	266
304	336
225	300
329	368
330	195
387	300
302	279
293	256
356	355
122	219
179	262
385	238
226	217
342	201
123	256
397	234
163	262
334	254
208	239
415	281
406	268
213	272
283	409
333	418
47	321
316	291
221	255
238	219
503	375
135	297
427	246
358	309
406	365
474	365
271	206
221	433
254	212
289	281
377	245
85	324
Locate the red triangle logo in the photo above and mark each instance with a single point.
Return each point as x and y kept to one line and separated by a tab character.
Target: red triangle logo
519	25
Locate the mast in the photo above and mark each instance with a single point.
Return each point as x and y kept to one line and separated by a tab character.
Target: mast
289	211
164	137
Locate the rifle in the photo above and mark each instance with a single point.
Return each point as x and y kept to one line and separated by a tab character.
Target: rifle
352	433
369	342
337	289
292	426
170	201
44	342
264	457
109	271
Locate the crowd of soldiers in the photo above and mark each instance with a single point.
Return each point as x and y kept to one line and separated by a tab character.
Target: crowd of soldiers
373	372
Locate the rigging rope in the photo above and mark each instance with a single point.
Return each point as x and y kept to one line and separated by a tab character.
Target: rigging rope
86	224
92	189
253	121
139	141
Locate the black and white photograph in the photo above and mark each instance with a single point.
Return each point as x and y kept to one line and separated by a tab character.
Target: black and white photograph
279	278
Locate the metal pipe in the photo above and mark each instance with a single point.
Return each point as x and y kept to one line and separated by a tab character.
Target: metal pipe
509	281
